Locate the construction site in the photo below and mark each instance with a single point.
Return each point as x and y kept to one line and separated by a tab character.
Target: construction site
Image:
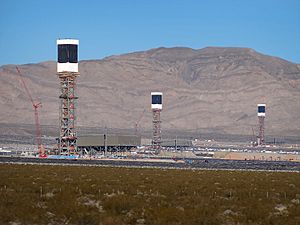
71	144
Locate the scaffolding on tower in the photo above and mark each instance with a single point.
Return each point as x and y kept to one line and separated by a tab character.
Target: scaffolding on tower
67	71
156	142
261	113
156	106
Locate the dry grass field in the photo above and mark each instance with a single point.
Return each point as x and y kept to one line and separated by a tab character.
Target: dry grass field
33	194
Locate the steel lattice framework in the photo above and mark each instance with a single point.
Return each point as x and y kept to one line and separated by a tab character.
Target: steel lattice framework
67	113
156	140
261	130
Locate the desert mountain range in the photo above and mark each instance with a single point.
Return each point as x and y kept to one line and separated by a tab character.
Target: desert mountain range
211	89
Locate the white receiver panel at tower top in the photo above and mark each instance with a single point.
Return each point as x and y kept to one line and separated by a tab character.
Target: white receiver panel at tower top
67	55
156	102
261	110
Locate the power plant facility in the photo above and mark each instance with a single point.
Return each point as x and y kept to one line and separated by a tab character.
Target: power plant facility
261	113
67	71
156	106
130	143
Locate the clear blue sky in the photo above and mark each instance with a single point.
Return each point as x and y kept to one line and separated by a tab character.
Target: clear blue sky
29	29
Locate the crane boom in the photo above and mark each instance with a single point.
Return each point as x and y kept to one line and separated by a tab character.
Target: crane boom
25	86
138	121
35	106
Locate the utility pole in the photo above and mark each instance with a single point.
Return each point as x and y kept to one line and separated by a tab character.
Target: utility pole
105	142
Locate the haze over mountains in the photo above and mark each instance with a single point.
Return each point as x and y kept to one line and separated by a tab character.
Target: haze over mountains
209	90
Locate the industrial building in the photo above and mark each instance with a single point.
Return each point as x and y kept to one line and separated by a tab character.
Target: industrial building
107	143
177	144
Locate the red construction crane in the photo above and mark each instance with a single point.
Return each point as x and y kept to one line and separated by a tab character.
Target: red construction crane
138	121
35	106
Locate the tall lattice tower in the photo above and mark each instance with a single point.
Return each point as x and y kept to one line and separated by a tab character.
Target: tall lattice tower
67	71
156	106
261	113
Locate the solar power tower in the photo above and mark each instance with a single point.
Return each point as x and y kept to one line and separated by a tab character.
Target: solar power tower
261	113
156	106
67	71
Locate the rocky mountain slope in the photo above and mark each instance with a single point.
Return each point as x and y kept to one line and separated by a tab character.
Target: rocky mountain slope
207	90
